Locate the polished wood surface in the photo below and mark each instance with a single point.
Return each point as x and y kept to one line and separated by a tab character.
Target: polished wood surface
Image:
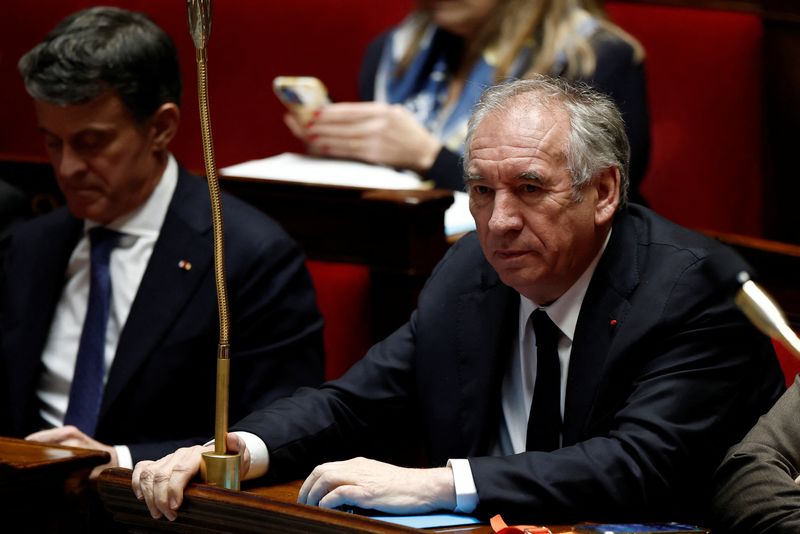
23	458
254	509
48	485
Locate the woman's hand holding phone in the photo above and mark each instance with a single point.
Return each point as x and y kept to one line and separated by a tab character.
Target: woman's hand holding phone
302	95
374	132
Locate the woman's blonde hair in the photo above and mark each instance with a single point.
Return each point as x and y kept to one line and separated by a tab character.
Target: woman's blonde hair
550	26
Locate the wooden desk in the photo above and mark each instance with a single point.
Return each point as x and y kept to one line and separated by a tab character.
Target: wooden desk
47	485
255	509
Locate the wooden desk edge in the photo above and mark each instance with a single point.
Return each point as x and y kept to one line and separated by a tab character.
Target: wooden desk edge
20	454
243	511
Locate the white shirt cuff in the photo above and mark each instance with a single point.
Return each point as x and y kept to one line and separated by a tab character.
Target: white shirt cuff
466	492
259	455
124	456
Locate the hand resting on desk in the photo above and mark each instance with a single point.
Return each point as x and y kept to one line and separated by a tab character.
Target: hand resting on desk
73	437
161	483
357	482
380	486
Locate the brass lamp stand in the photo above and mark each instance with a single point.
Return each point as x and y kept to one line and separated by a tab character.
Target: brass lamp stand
219	468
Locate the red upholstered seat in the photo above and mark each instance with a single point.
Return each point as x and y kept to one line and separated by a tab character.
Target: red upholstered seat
789	363
343	300
704	87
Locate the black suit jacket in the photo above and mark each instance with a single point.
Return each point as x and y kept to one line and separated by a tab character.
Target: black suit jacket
160	390
652	401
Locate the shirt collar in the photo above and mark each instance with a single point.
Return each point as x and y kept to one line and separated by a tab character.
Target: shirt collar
147	219
564	311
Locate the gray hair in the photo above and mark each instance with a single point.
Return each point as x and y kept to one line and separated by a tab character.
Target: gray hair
103	49
597	139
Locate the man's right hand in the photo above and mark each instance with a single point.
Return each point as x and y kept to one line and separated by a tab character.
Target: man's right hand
161	483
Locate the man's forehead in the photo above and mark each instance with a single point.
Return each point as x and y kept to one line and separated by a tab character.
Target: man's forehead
519	133
101	113
525	113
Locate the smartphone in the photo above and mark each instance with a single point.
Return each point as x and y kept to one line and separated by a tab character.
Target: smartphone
302	95
637	528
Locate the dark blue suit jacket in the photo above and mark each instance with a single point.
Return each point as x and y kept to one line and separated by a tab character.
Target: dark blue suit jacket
653	400
160	390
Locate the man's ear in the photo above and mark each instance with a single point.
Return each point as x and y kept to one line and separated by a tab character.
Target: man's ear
607	183
163	125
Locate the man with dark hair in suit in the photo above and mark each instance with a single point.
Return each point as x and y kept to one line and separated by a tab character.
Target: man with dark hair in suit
108	311
573	359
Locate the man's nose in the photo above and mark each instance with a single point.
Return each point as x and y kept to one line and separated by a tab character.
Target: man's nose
70	162
506	214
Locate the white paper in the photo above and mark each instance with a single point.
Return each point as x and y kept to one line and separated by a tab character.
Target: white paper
325	171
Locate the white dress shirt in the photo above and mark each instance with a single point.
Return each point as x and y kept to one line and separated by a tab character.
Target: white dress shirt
127	264
517	388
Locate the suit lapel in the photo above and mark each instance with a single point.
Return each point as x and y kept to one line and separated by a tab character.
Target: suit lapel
603	315
165	288
486	322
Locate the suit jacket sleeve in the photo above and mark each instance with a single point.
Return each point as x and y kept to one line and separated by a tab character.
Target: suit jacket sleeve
372	410
339	421
756	488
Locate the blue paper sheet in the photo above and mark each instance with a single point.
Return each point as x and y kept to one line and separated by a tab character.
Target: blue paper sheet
428	520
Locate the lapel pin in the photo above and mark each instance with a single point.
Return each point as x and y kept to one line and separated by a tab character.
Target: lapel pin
185	265
613	322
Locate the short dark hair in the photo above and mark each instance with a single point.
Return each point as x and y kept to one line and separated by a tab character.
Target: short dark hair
103	49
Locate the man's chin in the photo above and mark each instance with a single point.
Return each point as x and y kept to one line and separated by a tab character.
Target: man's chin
89	211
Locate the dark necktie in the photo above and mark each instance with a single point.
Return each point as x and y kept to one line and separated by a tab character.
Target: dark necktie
544	421
86	391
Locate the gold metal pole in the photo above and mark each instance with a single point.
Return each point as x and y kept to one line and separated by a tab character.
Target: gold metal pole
219	468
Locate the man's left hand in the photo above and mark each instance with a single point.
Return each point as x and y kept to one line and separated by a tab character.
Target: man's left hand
72	437
371	484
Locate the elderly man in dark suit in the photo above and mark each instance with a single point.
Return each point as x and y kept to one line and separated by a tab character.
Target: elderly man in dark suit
108	311
573	359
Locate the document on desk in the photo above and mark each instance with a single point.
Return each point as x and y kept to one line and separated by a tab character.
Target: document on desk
428	520
300	168
326	171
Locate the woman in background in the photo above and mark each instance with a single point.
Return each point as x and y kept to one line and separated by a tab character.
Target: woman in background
423	77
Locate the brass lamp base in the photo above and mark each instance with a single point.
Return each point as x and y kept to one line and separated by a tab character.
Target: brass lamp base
221	470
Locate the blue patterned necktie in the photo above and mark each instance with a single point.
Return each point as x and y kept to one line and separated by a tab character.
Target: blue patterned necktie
544	421
86	392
